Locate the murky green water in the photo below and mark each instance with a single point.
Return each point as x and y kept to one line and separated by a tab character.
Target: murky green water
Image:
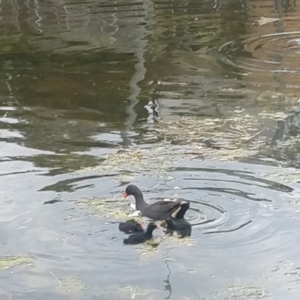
196	100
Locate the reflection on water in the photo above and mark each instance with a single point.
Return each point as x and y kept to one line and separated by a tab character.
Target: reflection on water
196	100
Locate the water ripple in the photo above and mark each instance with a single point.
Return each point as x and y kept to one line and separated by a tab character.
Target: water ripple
274	52
228	202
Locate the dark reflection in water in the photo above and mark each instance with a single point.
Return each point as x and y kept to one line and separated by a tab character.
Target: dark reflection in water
168	286
182	233
197	100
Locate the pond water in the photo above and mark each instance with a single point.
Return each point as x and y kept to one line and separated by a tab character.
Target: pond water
197	100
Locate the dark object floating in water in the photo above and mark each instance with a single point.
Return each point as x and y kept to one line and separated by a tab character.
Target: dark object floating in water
131	226
177	222
141	237
52	201
160	210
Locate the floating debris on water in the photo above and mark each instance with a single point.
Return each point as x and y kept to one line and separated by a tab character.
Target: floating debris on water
126	177
215	138
237	136
288	175
150	249
135	292
125	165
109	208
8	262
178	241
154	242
135	214
69	284
275	116
247	292
131	292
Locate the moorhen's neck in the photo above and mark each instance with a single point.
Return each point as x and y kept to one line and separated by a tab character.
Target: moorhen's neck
149	231
139	199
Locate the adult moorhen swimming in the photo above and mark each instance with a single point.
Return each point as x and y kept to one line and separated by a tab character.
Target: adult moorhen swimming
160	210
141	237
131	226
176	221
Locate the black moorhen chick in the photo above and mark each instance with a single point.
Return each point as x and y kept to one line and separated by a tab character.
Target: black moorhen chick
178	223
160	210
131	226
141	237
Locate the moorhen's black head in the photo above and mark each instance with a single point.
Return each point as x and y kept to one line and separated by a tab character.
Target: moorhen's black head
131	226
139	227
151	226
132	190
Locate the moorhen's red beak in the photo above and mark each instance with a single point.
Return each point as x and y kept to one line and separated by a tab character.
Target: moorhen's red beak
125	195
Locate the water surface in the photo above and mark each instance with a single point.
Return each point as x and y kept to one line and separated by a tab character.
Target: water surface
195	100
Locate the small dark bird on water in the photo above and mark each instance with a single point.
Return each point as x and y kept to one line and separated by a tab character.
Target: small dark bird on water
159	210
177	222
131	226
141	237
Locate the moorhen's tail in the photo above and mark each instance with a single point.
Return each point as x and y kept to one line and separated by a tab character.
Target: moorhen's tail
180	211
175	207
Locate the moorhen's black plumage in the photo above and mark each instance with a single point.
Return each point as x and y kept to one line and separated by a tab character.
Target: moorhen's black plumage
131	226
160	210
141	237
177	222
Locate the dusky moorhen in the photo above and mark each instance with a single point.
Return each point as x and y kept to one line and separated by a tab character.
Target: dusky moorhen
177	222
131	226
160	210
141	237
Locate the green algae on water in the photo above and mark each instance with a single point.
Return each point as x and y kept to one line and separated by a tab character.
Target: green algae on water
153	242
8	262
